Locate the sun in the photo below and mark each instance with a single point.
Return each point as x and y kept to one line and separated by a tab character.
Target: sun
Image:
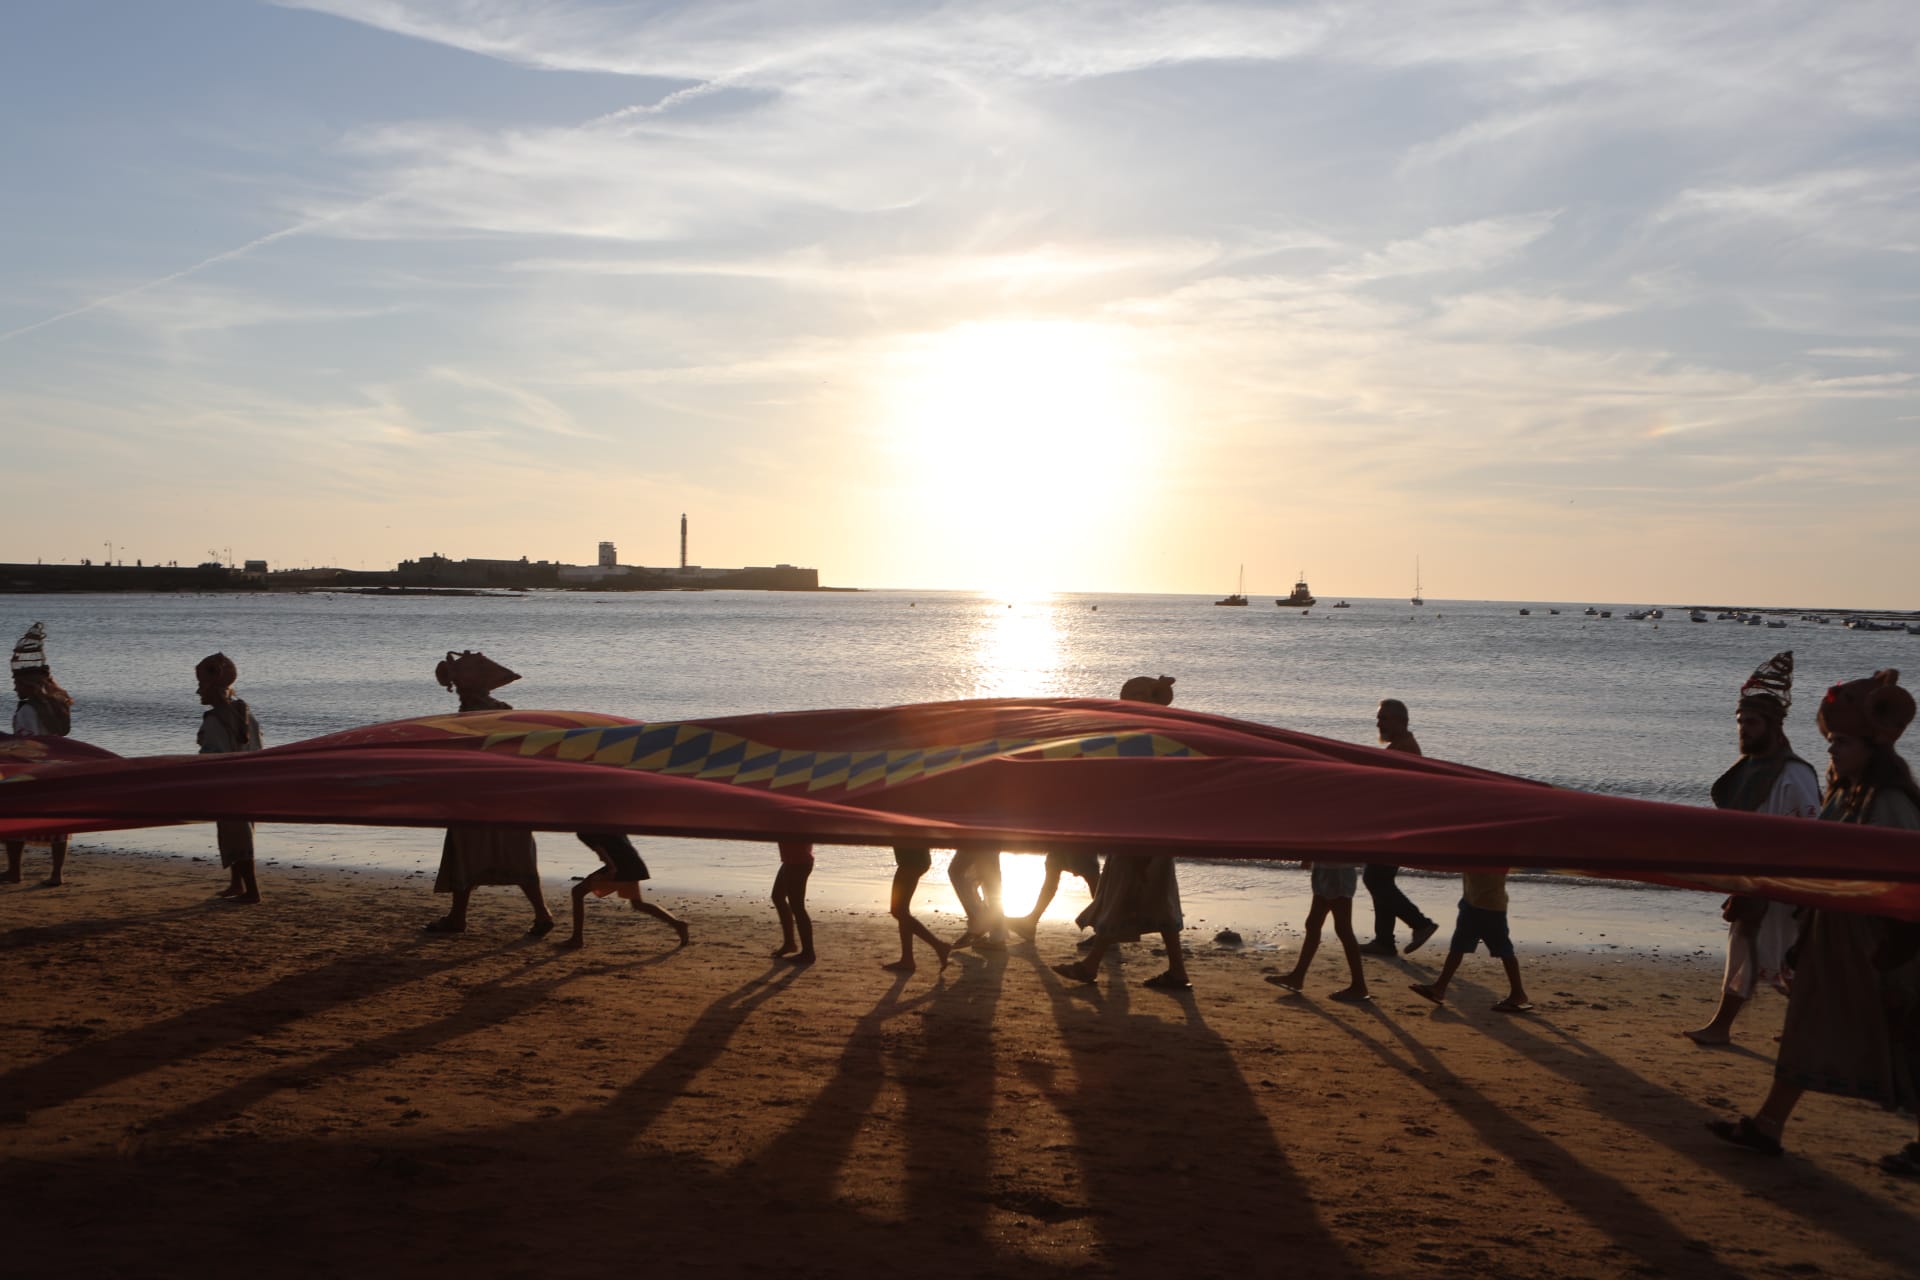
1026	435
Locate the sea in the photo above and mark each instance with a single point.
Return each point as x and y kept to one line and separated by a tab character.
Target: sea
1611	705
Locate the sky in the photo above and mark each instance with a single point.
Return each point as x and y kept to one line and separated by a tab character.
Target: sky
1562	301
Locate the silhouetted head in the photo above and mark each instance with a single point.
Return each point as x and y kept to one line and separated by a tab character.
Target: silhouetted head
1156	689
214	675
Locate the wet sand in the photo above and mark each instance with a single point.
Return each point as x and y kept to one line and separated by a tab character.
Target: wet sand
313	1087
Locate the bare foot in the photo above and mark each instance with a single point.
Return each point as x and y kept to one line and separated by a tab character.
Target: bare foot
1428	991
1024	926
898	966
804	957
784	950
248	899
53	882
11	877
231	891
1078	972
1708	1036
680	927
1291	981
573	943
944	951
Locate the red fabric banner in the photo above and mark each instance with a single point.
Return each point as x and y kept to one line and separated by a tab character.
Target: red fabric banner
1020	774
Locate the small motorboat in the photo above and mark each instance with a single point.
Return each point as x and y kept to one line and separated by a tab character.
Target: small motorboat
1526	613
1696	616
1343	605
1301	597
1592	612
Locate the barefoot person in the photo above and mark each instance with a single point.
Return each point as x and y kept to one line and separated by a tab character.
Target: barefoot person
228	726
790	901
1083	864
1768	778
620	872
1483	918
910	862
1138	894
44	710
1333	887
1389	902
1853	1012
975	874
472	856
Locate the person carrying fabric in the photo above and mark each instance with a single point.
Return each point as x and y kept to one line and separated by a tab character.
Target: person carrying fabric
1853	1011
44	710
228	726
1768	778
1390	902
472	856
1137	894
620	872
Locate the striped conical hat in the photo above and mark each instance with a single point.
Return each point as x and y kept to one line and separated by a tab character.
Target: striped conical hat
1772	679
30	653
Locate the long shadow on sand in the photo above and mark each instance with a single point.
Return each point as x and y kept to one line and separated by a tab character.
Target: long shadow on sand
1159	1102
86	1067
1661	1116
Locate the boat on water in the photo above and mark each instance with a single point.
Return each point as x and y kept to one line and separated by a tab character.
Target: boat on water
1592	612
1606	613
1343	605
1554	612
1301	598
1696	616
1416	582
1526	613
1239	597
1777	623
1637	615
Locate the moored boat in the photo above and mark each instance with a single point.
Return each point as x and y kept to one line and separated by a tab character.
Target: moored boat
1301	597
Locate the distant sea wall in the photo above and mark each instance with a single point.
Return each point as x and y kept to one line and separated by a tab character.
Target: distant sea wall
18	579
23	579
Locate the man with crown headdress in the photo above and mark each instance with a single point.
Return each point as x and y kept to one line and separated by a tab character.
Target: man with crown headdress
228	726
1853	1018
1768	778
44	710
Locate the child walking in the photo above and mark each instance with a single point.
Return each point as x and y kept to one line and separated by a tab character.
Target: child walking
1334	884
228	726
790	900
620	872
1483	918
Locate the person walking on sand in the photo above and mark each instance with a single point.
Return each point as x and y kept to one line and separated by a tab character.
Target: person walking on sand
1333	887
226	727
1768	778
620	872
974	872
1483	918
790	901
472	856
910	862
1138	893
1389	902
44	710
1081	863
1853	1009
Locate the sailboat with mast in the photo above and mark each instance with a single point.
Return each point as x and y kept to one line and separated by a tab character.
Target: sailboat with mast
1239	597
1416	582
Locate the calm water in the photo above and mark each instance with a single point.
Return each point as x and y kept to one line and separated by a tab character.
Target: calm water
1640	709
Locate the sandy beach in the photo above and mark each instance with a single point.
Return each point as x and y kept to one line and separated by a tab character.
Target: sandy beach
313	1087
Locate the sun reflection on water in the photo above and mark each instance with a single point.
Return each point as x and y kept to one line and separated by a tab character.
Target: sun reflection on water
1015	648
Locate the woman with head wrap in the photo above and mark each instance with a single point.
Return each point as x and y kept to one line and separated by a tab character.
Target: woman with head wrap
1137	894
45	710
474	856
1853	1014
228	726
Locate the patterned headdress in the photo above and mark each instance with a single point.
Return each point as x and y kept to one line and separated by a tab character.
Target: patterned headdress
473	671
1770	687
30	653
1875	709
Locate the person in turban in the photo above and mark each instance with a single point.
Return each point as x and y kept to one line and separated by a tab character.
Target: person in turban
1137	893
42	709
228	726
1853	1015
1768	778
472	856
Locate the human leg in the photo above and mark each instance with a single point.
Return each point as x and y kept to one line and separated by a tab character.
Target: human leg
15	848
661	914
1516	1001
783	906
1436	990
578	938
542	918
1316	917
1356	988
1087	968
797	904
58	847
249	887
1378	879
1029	924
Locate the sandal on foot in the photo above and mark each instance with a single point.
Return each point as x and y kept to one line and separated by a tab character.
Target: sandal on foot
1167	982
1280	980
444	924
1347	995
1510	1005
540	928
1077	972
1745	1133
1426	992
